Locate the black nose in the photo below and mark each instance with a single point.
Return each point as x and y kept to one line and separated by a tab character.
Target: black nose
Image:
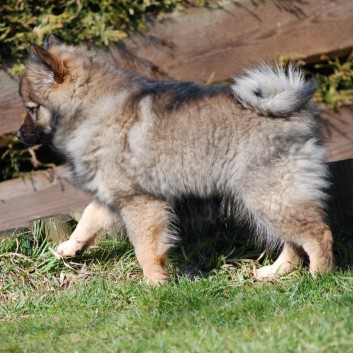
19	134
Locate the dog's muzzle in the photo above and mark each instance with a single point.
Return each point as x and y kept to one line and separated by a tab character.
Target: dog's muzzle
19	135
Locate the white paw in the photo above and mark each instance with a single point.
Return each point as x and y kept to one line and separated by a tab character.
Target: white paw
68	249
266	272
274	270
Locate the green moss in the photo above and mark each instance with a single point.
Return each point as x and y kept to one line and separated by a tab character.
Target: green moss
336	84
90	21
334	77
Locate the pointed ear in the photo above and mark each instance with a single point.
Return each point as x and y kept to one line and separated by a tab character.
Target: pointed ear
50	41
40	56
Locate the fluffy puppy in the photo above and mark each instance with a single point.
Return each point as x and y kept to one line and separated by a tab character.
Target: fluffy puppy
137	145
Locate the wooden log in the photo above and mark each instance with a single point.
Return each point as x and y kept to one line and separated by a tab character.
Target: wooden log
47	194
44	194
212	44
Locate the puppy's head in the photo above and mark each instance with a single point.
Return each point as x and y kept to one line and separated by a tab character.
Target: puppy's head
51	88
60	85
44	72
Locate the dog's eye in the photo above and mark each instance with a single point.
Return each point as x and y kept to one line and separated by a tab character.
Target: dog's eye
31	110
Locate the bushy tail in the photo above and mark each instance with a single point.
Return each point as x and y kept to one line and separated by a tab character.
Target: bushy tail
273	91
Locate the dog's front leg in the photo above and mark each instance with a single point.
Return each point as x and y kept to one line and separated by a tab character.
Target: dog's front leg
147	220
94	218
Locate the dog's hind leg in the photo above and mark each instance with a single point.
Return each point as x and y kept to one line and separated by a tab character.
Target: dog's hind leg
299	228
147	222
318	245
305	228
297	221
94	218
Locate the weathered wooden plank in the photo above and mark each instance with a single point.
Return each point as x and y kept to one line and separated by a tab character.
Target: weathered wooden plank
213	44
206	44
44	194
21	187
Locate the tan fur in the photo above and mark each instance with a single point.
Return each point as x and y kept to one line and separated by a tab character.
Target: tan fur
137	145
147	221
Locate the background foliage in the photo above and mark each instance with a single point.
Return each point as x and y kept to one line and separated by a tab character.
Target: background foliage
74	21
336	84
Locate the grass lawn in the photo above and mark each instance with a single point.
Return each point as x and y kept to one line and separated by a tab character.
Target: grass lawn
98	302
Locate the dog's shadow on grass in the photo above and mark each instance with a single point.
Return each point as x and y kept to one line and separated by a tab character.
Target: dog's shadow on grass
209	239
343	247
